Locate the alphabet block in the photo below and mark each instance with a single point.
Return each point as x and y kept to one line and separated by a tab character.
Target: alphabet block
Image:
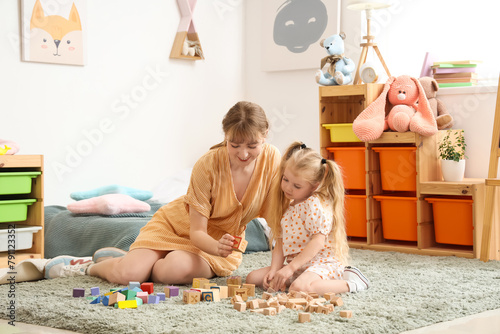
234	280
337	301
223	291
270	311
346	314
304	317
240	306
231	288
250	288
191	296
198	282
243	293
329	295
253	304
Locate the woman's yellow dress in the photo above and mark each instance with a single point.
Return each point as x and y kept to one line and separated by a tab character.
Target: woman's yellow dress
211	193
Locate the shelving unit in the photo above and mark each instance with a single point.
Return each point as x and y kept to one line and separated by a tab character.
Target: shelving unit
35	213
342	104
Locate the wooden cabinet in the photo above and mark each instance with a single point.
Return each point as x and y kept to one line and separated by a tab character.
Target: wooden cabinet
12	164
420	163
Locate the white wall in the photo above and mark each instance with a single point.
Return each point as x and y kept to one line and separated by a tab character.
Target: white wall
131	116
404	32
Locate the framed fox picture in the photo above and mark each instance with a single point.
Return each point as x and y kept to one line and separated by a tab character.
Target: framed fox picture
54	31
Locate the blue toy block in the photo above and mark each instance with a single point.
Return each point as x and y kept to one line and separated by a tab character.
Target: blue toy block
161	295
152	299
105	300
136	289
97	300
95	291
207	296
132	285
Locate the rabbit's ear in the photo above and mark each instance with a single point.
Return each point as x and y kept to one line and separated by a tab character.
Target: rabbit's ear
369	124
423	122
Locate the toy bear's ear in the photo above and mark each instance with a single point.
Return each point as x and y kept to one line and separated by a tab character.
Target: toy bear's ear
322	42
342	35
435	85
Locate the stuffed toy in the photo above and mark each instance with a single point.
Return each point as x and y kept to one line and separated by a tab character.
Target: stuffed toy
399	97
443	118
339	68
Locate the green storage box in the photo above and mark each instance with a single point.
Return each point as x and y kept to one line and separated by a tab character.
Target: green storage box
14	210
16	182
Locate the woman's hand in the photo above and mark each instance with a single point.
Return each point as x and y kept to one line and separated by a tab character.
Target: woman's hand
225	246
281	277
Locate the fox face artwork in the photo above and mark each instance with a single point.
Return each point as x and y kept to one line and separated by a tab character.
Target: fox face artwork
54	38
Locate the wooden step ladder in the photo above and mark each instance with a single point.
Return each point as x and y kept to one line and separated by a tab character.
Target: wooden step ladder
492	182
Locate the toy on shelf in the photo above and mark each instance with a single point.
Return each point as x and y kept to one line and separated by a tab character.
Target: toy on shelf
186	43
443	118
338	67
399	96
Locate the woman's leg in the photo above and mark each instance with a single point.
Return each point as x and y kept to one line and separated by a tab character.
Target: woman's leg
311	282
257	277
136	265
180	267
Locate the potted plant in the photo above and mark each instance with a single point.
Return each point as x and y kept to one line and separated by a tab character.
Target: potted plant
452	153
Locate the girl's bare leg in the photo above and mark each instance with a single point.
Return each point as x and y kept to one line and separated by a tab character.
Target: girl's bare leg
257	277
180	267
311	282
136	265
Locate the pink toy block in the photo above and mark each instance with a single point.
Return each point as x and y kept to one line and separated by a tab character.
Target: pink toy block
78	292
143	295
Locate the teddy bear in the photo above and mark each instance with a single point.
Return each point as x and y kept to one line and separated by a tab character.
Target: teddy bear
443	118
340	68
399	97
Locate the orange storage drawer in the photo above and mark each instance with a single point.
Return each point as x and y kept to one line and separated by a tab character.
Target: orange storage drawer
453	220
399	217
352	161
398	168
355	206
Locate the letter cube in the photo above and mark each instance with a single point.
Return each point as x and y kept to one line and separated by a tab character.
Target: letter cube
250	288
270	311
223	291
346	314
337	301
198	282
191	296
243	293
304	317
240	306
234	280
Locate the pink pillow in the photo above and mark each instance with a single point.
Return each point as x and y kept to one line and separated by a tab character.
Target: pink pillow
110	204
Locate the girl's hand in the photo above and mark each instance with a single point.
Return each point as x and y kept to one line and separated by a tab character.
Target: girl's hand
225	246
281	277
268	279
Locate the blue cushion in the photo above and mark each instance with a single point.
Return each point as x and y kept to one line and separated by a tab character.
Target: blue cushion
256	237
142	195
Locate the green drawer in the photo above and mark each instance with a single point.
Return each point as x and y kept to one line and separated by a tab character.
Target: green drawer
16	182
14	210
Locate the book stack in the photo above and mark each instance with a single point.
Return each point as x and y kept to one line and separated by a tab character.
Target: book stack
459	73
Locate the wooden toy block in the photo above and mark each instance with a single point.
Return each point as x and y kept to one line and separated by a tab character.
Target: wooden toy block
161	295
266	295
280	308
337	301
133	284
290	305
197	282
127	304
242	246
95	291
263	304
234	280
253	304
129	294
105	300
236	299
270	290
223	291
329	295
208	285
270	311
243	293
191	296
250	288
325	309
78	292
293	294
346	314
258	310
152	299
319	300
115	298
273	302
314	294
147	287
304	317
298	301
139	301
207	296
298	307
237	241
231	288
240	306
143	295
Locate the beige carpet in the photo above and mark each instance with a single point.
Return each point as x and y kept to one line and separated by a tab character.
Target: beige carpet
408	292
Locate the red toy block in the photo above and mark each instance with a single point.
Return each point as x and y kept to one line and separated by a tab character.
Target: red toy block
147	287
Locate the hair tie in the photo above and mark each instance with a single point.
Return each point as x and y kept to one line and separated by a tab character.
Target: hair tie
303	146
323	161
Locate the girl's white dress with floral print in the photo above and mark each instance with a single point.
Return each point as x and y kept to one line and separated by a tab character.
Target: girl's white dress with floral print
299	223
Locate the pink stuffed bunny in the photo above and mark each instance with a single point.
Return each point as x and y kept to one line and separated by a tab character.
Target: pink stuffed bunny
405	114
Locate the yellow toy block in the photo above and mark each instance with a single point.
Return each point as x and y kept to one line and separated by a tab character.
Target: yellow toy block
197	282
127	304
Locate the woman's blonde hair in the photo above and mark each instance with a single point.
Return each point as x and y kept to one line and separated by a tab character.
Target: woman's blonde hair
327	176
245	121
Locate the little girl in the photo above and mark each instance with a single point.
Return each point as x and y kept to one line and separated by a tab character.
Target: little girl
311	248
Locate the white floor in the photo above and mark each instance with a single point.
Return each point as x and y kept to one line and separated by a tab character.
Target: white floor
483	323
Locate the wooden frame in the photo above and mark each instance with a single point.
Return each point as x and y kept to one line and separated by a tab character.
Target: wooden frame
186	31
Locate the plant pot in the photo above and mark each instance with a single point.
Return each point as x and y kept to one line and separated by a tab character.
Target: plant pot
453	171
